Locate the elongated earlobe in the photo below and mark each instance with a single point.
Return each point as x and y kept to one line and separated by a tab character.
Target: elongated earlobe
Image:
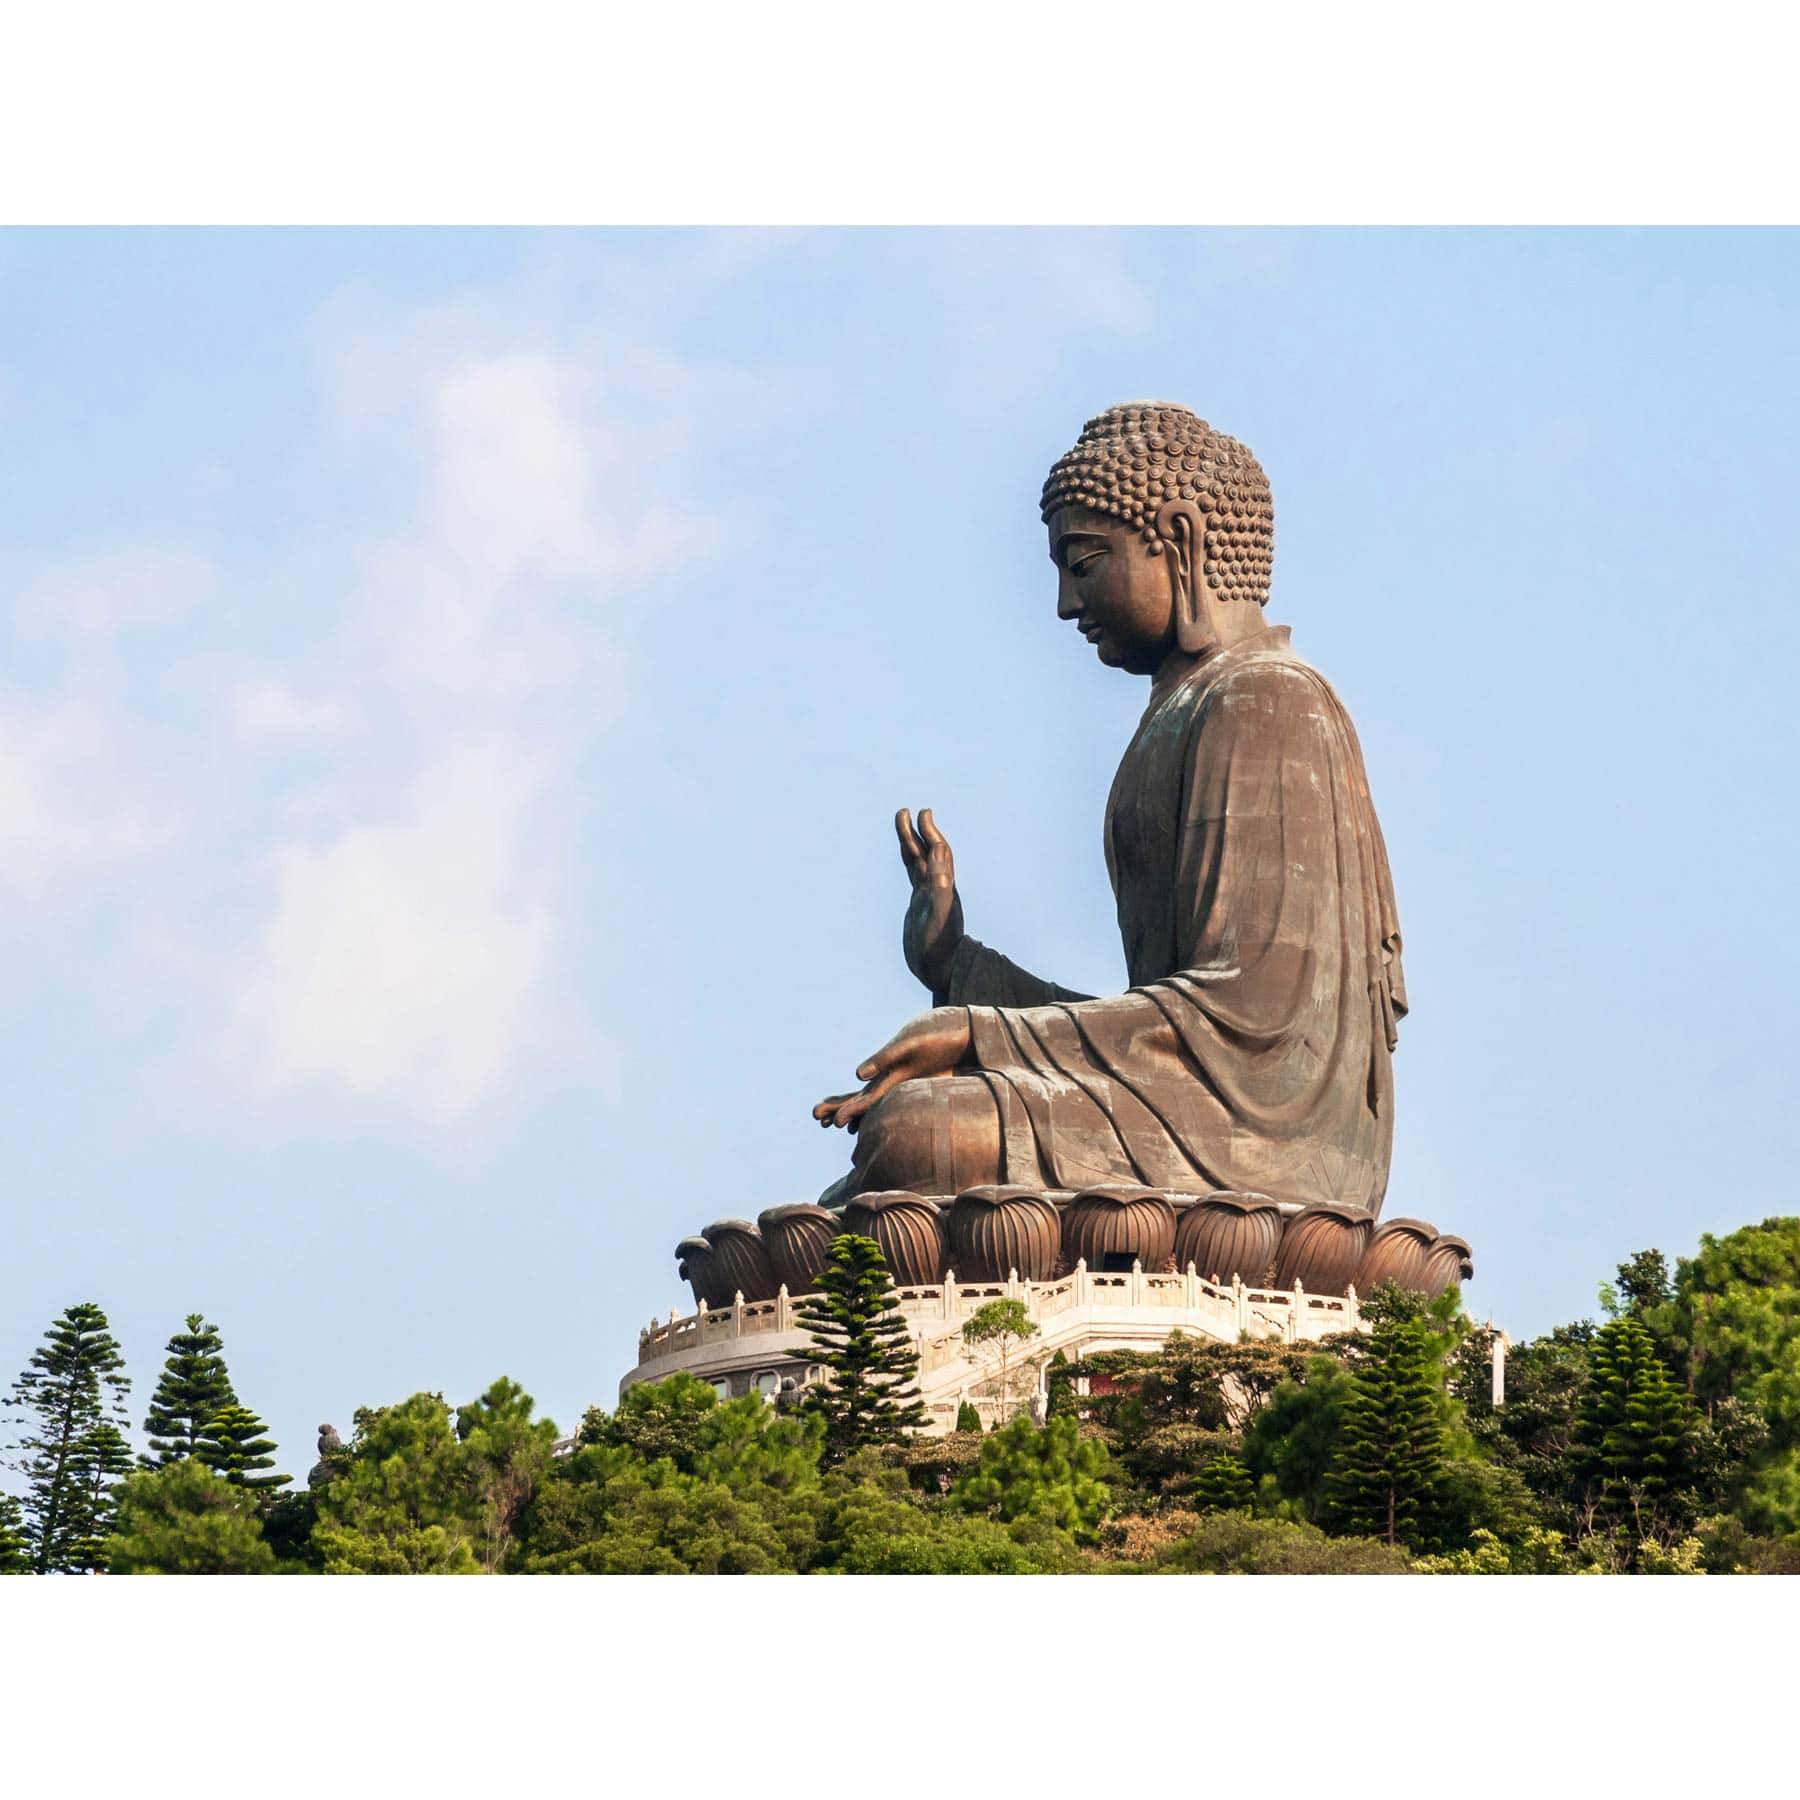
1193	629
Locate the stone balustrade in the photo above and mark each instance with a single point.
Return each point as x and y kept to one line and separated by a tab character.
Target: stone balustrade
1217	1310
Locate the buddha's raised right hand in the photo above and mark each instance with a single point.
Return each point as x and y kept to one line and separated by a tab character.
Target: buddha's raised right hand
934	915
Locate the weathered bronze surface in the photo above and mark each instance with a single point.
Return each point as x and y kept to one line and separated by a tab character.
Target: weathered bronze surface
1262	949
798	1240
740	1261
997	1231
1397	1252
1022	1127
1322	1248
1229	1234
700	1270
909	1231
1113	1227
1449	1264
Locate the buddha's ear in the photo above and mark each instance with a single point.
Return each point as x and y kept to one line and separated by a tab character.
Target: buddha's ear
1178	526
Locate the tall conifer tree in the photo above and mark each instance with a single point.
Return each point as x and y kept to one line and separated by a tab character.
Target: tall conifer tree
70	1447
1385	1477
861	1337
1634	1428
232	1444
194	1388
15	1549
1224	1485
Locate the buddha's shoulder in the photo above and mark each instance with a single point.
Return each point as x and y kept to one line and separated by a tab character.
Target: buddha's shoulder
1269	669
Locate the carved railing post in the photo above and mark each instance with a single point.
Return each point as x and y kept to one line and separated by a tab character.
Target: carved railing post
700	1322
1012	1284
1191	1294
1498	1354
1081	1282
1237	1303
1296	1305
782	1309
1137	1282
949	1293
1352	1305
737	1314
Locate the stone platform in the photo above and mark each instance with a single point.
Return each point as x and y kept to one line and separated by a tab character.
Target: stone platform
1113	1267
756	1346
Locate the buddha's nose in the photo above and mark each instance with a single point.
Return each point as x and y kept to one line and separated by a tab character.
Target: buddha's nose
1067	605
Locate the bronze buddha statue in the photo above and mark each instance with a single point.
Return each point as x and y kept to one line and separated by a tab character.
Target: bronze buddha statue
1251	1049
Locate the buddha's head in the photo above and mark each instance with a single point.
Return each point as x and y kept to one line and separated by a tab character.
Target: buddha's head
1163	534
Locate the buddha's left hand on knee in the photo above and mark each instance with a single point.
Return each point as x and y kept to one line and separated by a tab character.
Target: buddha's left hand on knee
933	1044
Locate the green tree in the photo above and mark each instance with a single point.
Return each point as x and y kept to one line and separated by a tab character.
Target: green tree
1633	1438
860	1335
15	1547
967	1418
1386	1475
1731	1330
1644	1283
505	1453
1224	1485
288	1520
1060	1398
1052	1474
870	1524
72	1401
1230	1543
746	1501
100	1463
232	1444
1530	1434
656	1419
194	1388
401	1504
1293	1438
998	1326
182	1519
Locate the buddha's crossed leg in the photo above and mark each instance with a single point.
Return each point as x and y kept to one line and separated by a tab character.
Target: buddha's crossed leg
936	1136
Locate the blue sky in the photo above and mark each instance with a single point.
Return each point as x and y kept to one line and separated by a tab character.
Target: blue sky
459	683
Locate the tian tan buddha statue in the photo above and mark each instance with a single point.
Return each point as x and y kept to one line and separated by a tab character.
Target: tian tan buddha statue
1252	1048
1250	1056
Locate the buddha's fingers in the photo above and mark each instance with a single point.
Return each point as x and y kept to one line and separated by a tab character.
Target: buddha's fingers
911	851
827	1110
929	831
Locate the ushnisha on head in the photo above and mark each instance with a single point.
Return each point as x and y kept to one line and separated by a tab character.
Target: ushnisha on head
1137	461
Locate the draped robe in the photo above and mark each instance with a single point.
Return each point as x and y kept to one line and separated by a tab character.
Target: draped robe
1253	1048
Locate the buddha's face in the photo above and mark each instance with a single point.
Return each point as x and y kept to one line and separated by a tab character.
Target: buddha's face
1117	593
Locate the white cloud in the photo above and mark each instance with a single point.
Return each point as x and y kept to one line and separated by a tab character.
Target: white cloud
69	804
407	962
381	931
410	951
132	589
265	709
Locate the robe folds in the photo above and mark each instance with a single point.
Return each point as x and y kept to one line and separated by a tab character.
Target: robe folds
1253	1048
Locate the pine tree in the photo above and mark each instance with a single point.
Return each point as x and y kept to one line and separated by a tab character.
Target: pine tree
1385	1476
860	1336
967	1418
194	1388
232	1444
70	1445
1633	1430
1224	1485
100	1463
15	1549
1054	1474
